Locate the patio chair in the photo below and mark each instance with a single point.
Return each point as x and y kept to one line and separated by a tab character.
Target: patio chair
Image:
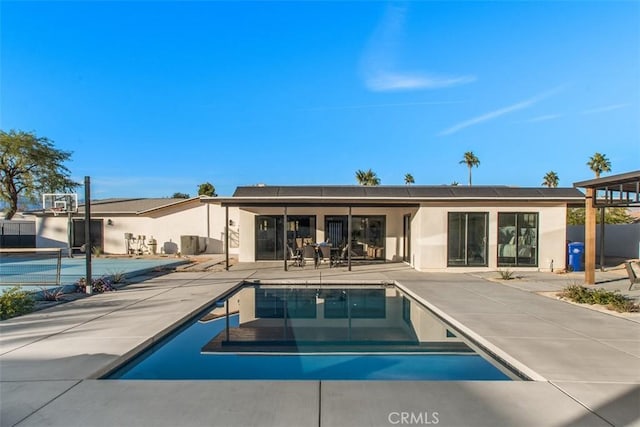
309	254
295	257
326	253
633	277
344	256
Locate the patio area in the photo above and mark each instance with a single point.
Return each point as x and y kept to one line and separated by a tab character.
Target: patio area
586	363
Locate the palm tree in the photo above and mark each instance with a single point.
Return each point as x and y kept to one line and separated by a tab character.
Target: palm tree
470	160
550	180
599	163
408	179
367	177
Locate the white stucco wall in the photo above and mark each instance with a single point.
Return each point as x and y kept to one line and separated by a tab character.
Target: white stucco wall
51	232
165	225
429	235
429	232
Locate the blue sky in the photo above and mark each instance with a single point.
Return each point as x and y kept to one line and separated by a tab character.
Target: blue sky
157	97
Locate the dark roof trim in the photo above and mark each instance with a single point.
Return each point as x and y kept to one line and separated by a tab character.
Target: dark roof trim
388	196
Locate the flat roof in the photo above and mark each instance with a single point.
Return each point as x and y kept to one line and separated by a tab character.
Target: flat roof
405	195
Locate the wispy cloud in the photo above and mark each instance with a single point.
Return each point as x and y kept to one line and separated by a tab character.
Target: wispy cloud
399	104
544	118
605	109
389	81
379	64
497	113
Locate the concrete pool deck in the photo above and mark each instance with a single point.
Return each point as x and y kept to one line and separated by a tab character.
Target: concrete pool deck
588	361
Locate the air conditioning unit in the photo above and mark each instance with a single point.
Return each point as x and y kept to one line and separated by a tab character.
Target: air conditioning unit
189	245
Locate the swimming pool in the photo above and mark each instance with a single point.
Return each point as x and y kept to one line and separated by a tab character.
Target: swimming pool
313	332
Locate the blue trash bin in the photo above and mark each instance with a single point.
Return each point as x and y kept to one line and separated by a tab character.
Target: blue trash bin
576	256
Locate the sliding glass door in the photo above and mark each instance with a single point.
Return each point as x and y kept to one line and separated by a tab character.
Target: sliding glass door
268	237
467	239
301	230
367	234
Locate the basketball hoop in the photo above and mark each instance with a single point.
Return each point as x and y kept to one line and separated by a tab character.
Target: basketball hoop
58	203
57	210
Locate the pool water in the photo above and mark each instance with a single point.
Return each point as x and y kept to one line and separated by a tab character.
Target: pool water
203	349
180	359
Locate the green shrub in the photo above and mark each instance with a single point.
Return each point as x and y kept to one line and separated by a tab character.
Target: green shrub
15	302
54	294
117	276
612	300
506	274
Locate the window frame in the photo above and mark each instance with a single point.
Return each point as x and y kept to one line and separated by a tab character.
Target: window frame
466	215
518	226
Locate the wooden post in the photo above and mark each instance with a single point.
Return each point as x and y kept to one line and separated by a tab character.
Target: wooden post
590	237
602	217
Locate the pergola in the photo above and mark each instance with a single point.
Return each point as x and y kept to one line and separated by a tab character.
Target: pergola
621	190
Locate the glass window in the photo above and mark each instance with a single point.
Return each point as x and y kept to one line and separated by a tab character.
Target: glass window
517	239
367	235
301	230
467	239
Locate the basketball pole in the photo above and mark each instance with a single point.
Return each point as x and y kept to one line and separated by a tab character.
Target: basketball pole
87	232
69	233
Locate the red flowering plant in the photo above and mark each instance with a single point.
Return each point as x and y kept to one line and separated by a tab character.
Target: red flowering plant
98	286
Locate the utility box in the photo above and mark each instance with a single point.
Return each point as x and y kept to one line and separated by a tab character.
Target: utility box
153	245
576	256
189	245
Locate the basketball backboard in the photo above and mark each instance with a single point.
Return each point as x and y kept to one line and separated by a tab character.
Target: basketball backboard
58	203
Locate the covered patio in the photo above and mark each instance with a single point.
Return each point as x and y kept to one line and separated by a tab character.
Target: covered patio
353	222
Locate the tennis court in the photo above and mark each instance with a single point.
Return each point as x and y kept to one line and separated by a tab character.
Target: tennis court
32	271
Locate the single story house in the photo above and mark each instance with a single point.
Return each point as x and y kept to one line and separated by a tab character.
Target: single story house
131	225
432	228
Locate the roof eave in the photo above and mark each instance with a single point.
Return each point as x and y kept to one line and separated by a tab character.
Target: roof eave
368	201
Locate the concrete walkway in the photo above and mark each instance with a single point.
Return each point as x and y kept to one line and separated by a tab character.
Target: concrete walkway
587	362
